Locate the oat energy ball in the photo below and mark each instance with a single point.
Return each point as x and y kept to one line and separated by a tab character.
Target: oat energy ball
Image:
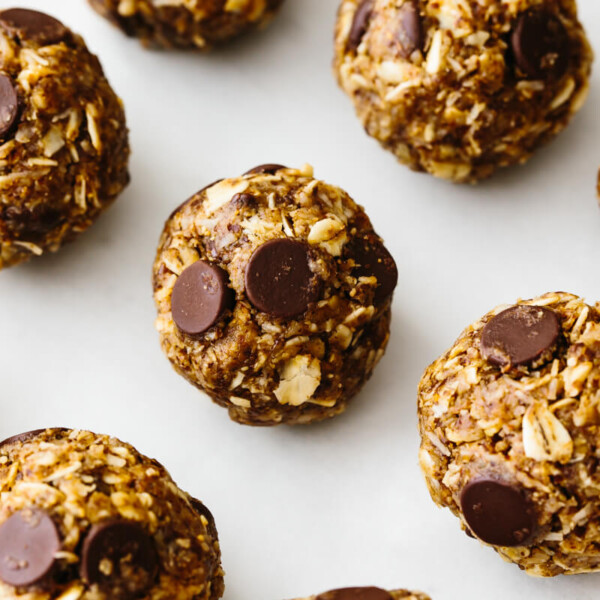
198	24
63	138
368	593
87	517
459	88
274	295
509	419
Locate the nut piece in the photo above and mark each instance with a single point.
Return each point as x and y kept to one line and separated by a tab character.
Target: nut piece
544	436
330	234
222	192
300	377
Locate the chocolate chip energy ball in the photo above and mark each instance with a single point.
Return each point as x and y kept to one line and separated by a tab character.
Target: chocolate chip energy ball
63	138
368	593
274	295
197	24
459	88
509	419
87	517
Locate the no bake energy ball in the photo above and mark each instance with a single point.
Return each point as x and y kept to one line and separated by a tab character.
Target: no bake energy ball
187	23
63	138
86	517
509	419
459	88
273	294
368	593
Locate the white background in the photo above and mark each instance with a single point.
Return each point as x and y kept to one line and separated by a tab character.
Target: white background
299	510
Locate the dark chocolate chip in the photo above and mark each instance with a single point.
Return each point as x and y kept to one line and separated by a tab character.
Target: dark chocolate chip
360	24
279	280
128	550
9	105
31	223
540	45
33	25
29	541
410	32
22	437
356	593
200	296
28	436
519	335
243	200
202	510
268	169
498	513
373	259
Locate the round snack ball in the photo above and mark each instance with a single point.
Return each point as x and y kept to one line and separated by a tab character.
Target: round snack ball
368	593
200	24
274	295
87	517
458	88
509	428
63	139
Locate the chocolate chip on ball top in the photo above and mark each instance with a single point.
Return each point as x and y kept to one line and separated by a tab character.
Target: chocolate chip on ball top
368	593
86	517
63	139
460	89
188	25
509	426
274	295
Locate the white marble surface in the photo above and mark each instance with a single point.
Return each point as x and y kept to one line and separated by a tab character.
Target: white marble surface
298	510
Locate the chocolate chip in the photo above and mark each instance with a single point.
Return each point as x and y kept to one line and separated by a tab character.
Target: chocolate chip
243	200
22	437
268	169
519	335
203	511
356	593
410	31
9	105
372	259
33	25
360	24
29	541
28	436
200	297
498	513
128	550
540	45
279	280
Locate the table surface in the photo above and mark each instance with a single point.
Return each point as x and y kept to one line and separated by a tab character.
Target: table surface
299	510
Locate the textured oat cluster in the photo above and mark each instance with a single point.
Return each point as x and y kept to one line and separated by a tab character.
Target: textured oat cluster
82	481
269	369
438	82
530	428
64	159
368	594
187	23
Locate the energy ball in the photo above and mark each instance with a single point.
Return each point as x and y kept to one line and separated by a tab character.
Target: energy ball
458	88
274	295
87	517
368	593
200	24
63	139
509	420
